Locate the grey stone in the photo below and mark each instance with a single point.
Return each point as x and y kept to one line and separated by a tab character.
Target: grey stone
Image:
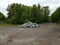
29	25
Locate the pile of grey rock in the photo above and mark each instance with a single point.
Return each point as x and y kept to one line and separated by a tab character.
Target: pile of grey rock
29	25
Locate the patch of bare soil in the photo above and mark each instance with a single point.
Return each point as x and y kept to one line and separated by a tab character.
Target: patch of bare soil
46	34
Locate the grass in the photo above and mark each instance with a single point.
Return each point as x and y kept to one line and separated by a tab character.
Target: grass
3	24
58	24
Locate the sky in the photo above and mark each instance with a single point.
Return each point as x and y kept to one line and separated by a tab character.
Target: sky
53	4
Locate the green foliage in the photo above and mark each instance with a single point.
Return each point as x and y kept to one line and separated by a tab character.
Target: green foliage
34	13
56	16
46	12
18	13
2	18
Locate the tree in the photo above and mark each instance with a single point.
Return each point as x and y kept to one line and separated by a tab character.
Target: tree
18	13
39	14
2	18
14	9
33	13
36	13
14	13
46	12
56	15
